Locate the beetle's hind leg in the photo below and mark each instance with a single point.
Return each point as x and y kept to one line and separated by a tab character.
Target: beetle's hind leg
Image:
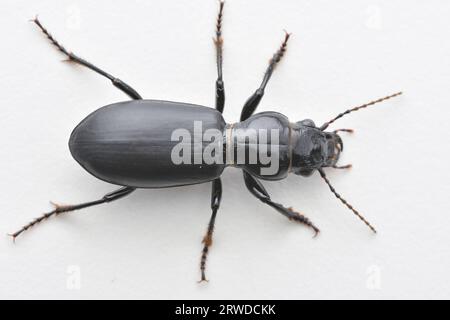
127	89
216	187
117	194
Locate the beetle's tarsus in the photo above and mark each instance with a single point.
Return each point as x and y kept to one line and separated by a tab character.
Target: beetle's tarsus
35	221
71	57
253	101
216	196
13	236
34	19
58	208
287	33
298	217
218	43
281	51
203	279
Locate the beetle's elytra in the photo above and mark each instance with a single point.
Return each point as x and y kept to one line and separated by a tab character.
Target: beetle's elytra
131	144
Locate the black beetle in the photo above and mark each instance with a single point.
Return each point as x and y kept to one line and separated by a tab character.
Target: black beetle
131	144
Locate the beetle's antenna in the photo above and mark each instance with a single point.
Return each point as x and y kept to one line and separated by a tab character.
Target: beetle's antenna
326	124
324	177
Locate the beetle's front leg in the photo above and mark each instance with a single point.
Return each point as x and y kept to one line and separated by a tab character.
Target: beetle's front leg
117	194
257	189
216	196
122	86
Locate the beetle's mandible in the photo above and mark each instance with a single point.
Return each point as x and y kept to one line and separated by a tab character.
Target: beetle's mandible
130	144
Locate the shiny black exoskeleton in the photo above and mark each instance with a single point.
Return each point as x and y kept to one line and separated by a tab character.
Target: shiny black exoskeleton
131	144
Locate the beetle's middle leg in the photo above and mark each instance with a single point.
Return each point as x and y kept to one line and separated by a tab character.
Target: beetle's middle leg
216	196
117	194
252	103
218	42
257	189
127	89
216	187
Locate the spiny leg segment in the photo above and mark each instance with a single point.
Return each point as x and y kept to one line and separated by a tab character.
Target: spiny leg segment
127	89
216	196
257	189
117	194
216	187
254	100
218	42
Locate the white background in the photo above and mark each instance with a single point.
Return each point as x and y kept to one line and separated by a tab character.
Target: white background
342	53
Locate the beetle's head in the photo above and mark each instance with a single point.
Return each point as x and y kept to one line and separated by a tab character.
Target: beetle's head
313	148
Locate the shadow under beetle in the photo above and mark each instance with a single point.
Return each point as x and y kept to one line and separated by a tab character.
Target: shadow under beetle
129	143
